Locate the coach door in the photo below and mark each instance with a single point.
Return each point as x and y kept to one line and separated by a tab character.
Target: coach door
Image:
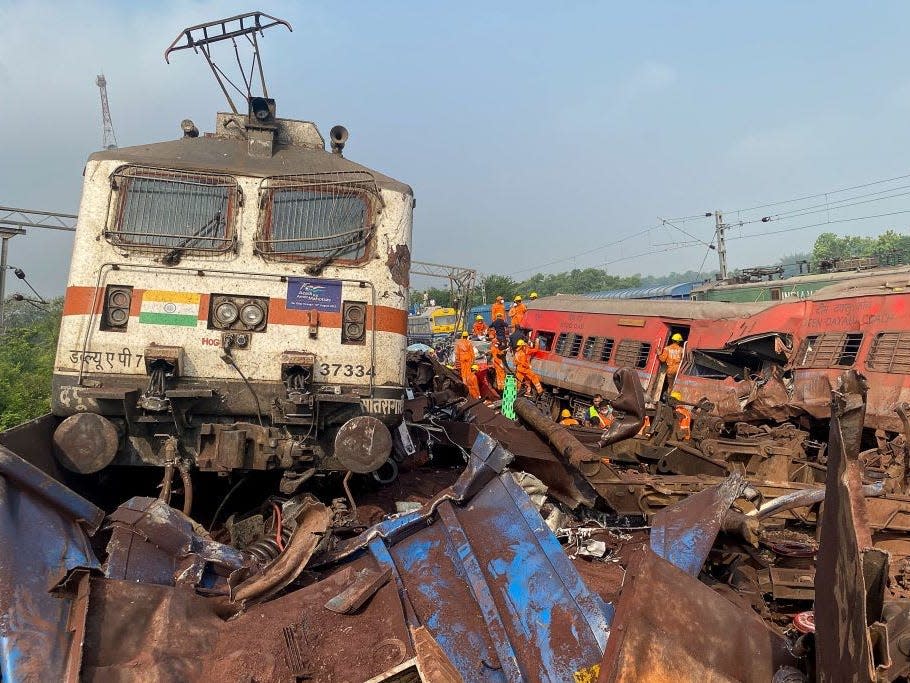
660	385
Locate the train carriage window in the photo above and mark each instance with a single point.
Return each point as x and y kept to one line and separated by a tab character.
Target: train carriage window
324	216
172	211
545	340
587	351
632	353
597	348
890	352
560	348
830	350
574	345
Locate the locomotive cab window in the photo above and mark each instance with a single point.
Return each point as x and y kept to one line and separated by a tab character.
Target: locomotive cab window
173	212
323	217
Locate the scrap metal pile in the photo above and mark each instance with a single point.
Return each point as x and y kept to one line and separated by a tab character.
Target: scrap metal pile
543	554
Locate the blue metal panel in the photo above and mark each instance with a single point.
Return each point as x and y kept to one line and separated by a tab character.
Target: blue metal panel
481	571
42	542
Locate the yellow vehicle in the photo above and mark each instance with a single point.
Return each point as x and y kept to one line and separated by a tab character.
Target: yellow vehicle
443	321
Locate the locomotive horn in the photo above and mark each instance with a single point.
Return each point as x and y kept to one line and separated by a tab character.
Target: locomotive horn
338	136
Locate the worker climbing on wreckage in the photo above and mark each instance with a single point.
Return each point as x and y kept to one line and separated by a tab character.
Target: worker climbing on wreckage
464	356
479	329
471	382
523	371
672	356
683	415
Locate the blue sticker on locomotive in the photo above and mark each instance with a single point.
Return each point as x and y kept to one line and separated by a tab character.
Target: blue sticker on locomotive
308	294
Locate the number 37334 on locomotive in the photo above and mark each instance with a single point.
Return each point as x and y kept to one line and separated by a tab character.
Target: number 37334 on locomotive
236	300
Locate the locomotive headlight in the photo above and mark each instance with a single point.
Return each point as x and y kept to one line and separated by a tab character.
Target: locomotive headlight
226	313
252	315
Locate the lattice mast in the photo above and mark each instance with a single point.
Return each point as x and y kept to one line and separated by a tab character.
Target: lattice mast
108	137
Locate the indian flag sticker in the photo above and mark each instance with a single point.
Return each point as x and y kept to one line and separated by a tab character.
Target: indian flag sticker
169	308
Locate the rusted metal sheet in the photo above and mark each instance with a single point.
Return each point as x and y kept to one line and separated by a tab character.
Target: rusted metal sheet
531	454
480	570
152	542
669	626
473	586
850	574
630	402
45	557
683	533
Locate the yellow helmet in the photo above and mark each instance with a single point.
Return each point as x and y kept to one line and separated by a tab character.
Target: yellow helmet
479	317
474	367
676	337
533	295
565	413
520	343
676	395
464	334
499	316
518	297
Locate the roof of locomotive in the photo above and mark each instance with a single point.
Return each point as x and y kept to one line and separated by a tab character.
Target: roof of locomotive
226	152
662	308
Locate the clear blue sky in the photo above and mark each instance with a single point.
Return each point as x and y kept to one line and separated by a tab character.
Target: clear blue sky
529	131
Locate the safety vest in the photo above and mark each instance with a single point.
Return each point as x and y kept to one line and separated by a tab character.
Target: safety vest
594	414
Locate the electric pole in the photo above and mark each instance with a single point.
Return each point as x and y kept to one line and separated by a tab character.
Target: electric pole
108	137
719	227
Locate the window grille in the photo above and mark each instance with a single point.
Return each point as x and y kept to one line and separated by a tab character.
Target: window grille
830	350
318	216
598	348
172	211
890	352
632	353
574	346
561	344
587	351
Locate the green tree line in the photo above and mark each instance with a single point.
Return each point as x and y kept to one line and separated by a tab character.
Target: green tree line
27	350
890	247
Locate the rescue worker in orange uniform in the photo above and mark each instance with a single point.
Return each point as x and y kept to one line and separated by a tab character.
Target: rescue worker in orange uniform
567	419
464	356
672	356
498	308
471	382
517	313
479	329
498	358
523	371
683	415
